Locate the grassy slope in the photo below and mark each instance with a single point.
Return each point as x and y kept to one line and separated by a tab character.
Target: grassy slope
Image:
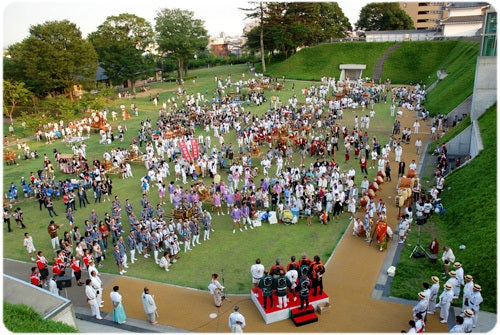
324	60
458	85
416	61
470	219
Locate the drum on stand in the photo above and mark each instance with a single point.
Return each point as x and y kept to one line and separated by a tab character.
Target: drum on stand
371	193
381	174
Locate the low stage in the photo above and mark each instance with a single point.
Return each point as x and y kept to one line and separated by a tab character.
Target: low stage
274	314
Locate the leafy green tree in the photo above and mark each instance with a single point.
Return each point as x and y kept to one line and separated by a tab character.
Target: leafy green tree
383	16
52	59
14	94
122	43
178	36
289	25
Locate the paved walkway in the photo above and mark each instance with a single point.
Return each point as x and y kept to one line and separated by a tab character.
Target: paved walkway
355	280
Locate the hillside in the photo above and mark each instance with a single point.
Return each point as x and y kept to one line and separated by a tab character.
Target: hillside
411	62
470	220
324	60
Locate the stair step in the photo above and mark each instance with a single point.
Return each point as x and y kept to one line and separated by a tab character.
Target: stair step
295	312
305	319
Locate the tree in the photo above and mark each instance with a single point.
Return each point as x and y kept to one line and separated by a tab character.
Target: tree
122	43
258	12
289	25
383	16
179	35
52	59
14	94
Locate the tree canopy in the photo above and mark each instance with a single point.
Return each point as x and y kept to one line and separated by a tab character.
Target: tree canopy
289	25
14	94
179	35
52	59
122	43
383	16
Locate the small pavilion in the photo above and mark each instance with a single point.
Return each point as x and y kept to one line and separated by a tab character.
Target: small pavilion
351	72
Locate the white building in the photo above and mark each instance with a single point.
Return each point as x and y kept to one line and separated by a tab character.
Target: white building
463	19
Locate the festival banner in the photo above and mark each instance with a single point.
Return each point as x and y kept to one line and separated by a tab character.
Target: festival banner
194	148
185	151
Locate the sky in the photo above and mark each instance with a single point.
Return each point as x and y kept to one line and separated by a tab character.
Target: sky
219	16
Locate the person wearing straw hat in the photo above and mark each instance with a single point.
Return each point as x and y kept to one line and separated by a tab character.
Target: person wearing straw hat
475	300
453	281
469	283
468	320
421	306
445	300
433	295
460	272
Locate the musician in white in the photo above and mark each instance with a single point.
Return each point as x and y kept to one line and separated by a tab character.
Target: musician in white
257	271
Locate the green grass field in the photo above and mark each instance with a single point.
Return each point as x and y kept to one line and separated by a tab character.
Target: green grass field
231	253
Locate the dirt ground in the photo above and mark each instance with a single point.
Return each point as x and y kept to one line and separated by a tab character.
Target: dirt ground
350	278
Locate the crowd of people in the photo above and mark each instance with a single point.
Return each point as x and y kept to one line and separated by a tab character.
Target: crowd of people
433	298
322	189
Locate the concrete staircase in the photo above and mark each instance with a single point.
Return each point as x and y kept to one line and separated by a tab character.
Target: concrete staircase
379	66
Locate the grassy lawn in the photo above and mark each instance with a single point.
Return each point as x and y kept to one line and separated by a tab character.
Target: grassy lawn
232	254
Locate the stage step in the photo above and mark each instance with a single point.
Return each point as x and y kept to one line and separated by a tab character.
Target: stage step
296	312
305	319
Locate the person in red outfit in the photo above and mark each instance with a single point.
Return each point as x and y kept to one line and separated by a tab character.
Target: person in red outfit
35	277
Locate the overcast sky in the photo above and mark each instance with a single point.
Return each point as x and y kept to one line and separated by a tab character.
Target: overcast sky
219	16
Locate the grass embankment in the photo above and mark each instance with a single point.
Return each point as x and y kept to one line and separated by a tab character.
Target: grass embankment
24	319
417	61
470	200
460	65
324	60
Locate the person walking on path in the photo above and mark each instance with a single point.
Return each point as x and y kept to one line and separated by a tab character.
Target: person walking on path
149	305
92	299
236	321
119	315
29	245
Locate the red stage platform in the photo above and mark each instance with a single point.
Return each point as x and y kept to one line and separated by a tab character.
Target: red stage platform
274	314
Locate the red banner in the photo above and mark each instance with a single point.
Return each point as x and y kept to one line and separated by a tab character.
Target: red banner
194	148
185	151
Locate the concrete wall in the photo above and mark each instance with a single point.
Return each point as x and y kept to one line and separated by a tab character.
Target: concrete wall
485	86
476	143
48	305
460	144
462	29
467	142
